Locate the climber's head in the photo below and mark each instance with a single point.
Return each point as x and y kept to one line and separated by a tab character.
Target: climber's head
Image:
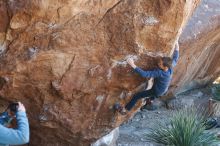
165	63
12	108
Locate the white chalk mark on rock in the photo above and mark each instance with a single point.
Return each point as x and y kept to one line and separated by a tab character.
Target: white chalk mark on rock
151	54
109	75
123	95
43	118
32	52
100	98
122	62
56	85
93	70
52	25
150	20
2	48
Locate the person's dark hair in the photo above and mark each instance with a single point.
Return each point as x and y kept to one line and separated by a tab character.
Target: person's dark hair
13	107
167	61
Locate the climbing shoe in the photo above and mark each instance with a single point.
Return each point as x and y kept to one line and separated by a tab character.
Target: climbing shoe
210	123
148	105
119	108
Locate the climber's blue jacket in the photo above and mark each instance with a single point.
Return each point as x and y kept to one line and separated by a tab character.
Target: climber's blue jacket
18	136
161	78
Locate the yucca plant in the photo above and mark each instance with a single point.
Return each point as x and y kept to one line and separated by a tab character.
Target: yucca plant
185	128
216	92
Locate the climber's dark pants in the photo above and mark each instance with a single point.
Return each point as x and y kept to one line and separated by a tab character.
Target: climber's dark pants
147	93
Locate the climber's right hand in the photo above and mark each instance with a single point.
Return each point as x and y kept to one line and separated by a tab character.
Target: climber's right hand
177	46
130	61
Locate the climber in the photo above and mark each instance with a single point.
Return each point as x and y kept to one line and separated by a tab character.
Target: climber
18	135
162	77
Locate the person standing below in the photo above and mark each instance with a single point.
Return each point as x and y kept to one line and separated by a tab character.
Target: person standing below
19	135
162	78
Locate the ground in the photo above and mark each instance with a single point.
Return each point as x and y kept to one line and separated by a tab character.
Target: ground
132	133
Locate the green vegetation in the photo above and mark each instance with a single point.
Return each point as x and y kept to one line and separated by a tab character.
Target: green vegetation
186	128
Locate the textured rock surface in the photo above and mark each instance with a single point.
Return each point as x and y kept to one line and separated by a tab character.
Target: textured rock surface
200	48
109	139
65	60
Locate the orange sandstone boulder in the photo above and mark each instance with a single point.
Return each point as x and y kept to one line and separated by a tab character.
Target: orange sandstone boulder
65	60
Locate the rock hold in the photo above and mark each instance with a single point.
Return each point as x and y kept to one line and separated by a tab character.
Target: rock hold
150	20
32	52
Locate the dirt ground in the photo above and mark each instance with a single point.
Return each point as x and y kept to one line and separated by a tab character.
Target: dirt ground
133	132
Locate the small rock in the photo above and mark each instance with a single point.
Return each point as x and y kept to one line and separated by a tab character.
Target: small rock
218	134
198	94
143	116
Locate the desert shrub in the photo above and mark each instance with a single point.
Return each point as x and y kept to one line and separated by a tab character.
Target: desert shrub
185	128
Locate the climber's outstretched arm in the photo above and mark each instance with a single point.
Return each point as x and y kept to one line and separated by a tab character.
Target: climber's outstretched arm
151	73
175	55
9	136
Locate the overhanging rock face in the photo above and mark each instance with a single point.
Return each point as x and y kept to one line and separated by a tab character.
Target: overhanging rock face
200	49
65	60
